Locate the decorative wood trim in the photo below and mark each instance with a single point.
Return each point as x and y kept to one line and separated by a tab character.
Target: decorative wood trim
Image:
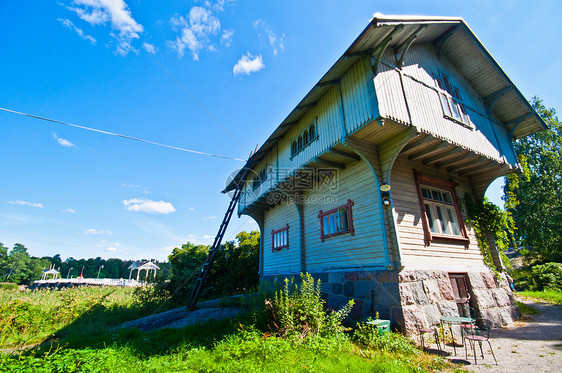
274	232
350	229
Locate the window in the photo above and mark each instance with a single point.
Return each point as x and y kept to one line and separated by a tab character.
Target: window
304	138
280	238
451	100
440	207
337	221
259	178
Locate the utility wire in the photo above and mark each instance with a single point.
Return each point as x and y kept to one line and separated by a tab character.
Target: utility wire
198	103
120	135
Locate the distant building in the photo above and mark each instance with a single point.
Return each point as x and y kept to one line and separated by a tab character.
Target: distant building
143	266
362	184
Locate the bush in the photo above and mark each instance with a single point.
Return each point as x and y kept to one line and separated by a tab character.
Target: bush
8	286
368	335
546	276
299	310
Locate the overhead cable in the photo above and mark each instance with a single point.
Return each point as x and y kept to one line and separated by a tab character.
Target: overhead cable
119	135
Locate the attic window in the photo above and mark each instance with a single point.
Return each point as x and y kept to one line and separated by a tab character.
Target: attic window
451	101
259	178
304	138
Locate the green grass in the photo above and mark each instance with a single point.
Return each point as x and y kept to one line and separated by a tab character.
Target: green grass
547	295
525	310
77	330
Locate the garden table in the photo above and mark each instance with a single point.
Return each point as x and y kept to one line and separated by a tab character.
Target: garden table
450	320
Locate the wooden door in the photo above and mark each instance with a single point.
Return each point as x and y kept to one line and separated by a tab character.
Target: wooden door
459	282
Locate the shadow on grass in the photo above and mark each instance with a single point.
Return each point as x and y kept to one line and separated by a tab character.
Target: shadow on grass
98	328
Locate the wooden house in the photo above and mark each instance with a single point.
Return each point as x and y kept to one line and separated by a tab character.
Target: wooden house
362	185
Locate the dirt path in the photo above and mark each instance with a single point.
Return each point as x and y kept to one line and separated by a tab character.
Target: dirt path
534	345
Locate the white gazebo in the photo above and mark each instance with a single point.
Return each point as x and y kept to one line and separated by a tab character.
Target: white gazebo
143	265
50	272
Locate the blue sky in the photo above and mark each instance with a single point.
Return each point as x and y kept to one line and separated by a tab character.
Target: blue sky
96	63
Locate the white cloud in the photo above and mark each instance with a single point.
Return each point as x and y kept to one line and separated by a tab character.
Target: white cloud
69	25
25	203
96	231
209	217
226	37
149	47
113	247
147	205
70	211
115	12
219	4
195	30
207	237
248	64
63	142
275	42
191	209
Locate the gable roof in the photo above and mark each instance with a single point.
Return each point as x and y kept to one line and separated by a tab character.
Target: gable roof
143	264
455	40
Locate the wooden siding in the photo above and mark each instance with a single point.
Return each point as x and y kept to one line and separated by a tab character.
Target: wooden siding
410	94
285	260
365	249
356	97
408	216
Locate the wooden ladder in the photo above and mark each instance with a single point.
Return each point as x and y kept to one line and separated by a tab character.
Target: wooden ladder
216	244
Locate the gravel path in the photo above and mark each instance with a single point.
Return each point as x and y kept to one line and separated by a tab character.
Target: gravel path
533	345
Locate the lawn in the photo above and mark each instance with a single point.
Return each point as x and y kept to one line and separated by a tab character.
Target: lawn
547	295
74	331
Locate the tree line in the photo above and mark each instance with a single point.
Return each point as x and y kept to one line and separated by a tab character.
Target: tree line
19	267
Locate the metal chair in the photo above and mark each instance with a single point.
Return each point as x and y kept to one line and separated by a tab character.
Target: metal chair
467	328
423	331
480	335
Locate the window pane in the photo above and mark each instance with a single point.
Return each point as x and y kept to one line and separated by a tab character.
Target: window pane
344	223
442	223
440	83
445	104
312	132
447	197
448	85
431	219
306	138
456	93
454	223
338	225
437	195
332	223
425	193
326	225
455	111
444	218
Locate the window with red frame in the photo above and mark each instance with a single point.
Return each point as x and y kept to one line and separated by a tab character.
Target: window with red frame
280	238
441	209
336	221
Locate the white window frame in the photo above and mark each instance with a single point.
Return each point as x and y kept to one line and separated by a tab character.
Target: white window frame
451	101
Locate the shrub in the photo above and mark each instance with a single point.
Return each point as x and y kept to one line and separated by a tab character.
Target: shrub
368	335
299	310
546	276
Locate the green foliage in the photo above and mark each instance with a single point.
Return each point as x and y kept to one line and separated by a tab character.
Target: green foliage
546	276
487	217
234	271
299	310
533	196
8	286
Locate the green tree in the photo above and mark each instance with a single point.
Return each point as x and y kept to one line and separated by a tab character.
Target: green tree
534	196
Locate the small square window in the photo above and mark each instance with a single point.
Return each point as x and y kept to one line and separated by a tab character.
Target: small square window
336	221
280	238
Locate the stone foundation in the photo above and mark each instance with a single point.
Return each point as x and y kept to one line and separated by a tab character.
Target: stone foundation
409	298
